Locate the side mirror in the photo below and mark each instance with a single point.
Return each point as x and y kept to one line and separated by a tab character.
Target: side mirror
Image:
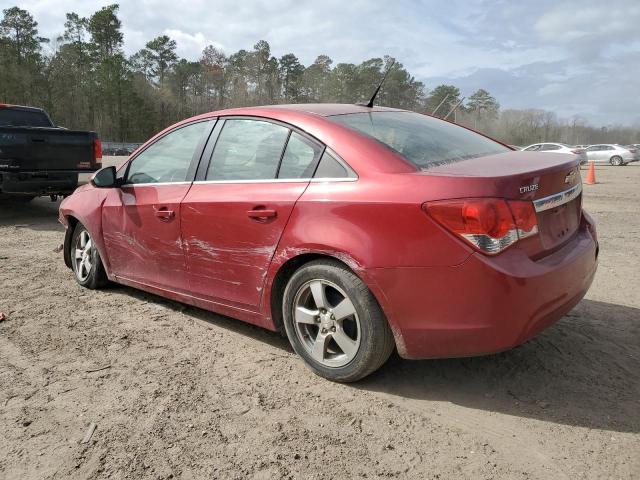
105	178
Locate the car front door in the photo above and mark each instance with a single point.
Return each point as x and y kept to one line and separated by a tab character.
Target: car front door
596	153
235	213
141	219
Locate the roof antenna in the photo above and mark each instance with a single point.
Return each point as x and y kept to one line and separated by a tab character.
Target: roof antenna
384	77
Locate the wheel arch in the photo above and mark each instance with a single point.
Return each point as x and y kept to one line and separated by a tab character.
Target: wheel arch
73	212
281	278
66	248
286	269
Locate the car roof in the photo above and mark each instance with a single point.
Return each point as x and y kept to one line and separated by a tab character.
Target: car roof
329	109
312	119
321	109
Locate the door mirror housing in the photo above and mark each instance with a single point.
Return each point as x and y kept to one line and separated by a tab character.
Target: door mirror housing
105	178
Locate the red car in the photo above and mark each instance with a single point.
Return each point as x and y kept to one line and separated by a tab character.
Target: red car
355	230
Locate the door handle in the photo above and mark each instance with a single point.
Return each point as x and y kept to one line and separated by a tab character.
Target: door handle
261	213
164	214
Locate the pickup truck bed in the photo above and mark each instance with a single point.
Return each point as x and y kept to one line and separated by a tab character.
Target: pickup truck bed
40	159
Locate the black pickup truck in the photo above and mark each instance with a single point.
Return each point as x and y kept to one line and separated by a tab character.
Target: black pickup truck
38	158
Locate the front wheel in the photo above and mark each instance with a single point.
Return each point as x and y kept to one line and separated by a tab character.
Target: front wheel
616	161
334	322
85	260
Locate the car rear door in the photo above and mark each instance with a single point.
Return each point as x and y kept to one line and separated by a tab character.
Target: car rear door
252	173
141	219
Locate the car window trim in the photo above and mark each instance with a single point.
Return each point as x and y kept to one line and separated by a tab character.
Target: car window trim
195	159
284	149
213	140
326	149
316	161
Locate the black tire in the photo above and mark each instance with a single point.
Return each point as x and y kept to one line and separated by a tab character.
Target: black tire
95	277
375	339
616	161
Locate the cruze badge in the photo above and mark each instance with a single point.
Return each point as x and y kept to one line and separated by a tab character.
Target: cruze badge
571	176
529	188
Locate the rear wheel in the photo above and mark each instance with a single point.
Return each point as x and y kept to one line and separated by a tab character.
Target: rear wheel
334	323
616	161
85	260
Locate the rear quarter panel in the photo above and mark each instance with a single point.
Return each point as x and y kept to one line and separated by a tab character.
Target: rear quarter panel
365	225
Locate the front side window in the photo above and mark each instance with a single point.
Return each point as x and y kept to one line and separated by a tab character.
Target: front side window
550	146
247	150
300	158
168	159
424	141
533	148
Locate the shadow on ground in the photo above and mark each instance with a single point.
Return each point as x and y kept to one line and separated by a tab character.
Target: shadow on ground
584	371
39	214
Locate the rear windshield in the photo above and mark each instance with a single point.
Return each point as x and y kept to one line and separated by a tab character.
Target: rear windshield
23	118
424	141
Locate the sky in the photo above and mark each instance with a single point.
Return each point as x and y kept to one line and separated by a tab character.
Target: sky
578	58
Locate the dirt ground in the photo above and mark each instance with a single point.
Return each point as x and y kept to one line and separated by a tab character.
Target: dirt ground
177	392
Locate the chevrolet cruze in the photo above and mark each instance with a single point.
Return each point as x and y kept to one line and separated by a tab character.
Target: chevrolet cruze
354	230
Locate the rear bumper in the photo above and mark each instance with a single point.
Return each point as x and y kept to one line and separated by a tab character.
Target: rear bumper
486	304
38	183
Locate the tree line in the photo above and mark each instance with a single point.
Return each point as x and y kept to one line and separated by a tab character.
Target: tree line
86	81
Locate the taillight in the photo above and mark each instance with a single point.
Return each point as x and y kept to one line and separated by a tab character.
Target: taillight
97	150
489	224
524	216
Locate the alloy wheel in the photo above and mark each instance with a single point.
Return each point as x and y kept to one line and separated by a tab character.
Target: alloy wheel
326	323
83	256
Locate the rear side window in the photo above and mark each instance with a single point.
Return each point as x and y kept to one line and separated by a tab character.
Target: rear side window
424	141
168	159
300	158
247	150
23	118
330	167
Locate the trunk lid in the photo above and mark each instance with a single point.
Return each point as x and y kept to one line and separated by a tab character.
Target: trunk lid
551	181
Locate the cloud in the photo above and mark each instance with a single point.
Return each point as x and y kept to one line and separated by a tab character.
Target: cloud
189	43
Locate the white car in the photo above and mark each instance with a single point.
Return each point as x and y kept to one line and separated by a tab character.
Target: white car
612	154
558	148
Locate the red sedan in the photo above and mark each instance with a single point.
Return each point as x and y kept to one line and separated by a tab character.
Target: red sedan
355	230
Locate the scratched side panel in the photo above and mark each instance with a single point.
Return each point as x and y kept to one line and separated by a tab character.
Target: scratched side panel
142	246
228	253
